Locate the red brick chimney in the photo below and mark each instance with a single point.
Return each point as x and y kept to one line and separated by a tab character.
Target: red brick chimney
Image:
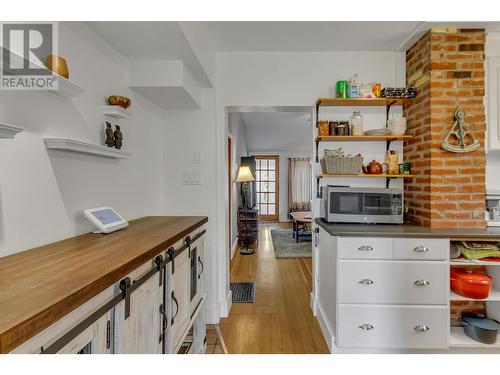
446	66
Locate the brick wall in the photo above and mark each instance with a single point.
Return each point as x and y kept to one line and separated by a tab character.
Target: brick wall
447	69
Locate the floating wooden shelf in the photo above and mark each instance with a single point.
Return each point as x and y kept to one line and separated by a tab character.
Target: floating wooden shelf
458	339
465	262
9	131
362	138
85	148
65	87
360	102
385	175
115	111
493	296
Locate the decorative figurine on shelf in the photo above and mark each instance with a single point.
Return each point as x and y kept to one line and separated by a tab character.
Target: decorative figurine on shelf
110	138
118	137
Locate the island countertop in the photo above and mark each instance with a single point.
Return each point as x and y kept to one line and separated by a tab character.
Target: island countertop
42	285
408	230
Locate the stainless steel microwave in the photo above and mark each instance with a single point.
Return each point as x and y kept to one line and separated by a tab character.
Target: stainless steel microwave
361	205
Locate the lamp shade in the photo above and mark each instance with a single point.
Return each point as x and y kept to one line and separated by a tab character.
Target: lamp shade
245	174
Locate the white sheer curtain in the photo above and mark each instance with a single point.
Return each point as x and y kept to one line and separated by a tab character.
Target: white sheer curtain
299	184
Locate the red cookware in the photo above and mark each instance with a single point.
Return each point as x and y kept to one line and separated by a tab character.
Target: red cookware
470	284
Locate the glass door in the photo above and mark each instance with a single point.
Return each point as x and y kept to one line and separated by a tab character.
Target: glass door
267	187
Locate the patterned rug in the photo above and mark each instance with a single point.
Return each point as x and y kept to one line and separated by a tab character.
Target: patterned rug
285	245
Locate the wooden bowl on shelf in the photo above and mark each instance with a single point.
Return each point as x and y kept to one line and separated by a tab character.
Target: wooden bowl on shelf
118	100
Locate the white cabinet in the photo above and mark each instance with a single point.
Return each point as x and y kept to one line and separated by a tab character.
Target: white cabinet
398	327
179	294
365	248
140	332
197	265
420	248
492	81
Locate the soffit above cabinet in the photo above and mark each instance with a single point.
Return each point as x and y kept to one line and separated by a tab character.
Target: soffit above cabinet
167	84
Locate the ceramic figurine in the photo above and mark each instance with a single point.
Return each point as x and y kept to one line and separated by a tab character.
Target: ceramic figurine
110	139
118	137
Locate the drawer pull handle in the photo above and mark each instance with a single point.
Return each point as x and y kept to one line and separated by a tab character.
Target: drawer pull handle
366	282
421	249
422	283
366	327
421	328
365	248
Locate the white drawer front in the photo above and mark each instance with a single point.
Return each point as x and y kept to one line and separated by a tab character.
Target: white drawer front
421	248
396	327
365	248
398	282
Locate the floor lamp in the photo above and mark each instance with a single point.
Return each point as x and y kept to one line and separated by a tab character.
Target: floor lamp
245	176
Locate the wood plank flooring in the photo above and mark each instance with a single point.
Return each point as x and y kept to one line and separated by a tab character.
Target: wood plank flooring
280	320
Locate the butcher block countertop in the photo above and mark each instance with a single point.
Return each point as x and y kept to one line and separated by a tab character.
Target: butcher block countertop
408	230
42	285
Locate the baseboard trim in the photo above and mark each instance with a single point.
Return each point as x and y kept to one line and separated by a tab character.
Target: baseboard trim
225	306
234	247
312	303
325	329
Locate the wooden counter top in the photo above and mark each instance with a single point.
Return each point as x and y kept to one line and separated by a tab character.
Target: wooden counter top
42	285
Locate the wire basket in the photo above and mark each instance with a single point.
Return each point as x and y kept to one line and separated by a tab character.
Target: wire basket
342	164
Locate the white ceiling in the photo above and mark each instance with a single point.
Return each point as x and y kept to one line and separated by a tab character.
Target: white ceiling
151	40
309	36
277	131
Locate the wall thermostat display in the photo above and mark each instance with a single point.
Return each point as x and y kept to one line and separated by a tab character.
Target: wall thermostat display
105	219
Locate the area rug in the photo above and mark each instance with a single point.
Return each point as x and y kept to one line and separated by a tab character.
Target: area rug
285	245
243	292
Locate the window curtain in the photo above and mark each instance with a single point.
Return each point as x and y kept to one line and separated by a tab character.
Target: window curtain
299	184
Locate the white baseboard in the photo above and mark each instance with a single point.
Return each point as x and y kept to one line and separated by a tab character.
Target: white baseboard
312	303
325	329
234	247
225	306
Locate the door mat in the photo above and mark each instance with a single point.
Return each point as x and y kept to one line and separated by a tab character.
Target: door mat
243	292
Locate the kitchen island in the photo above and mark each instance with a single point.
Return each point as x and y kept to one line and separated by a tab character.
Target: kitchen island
83	293
385	288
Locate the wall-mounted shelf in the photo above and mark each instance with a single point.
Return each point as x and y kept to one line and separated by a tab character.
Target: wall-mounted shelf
115	111
458	339
65	87
9	131
465	262
494	296
85	148
387	177
360	102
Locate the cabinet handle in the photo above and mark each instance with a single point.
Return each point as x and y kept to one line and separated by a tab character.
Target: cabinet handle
422	283
366	282
365	248
421	249
176	308
421	328
366	327
202	267
163	322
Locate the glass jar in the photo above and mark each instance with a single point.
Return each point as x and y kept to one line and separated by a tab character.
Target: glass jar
356	121
323	128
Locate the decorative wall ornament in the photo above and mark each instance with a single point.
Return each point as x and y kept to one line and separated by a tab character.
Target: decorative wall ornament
118	137
464	140
110	138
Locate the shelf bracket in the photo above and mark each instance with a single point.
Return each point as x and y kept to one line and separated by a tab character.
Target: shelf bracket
387	110
317	150
318	191
318	103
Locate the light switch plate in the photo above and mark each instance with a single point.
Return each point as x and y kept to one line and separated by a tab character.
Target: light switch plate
197	157
191	179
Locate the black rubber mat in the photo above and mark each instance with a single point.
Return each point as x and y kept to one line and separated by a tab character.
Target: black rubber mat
243	292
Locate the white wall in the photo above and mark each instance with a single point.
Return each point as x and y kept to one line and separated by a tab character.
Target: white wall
239	144
42	193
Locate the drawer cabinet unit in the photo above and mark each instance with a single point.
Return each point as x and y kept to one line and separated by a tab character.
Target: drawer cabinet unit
420	248
398	282
364	248
396	327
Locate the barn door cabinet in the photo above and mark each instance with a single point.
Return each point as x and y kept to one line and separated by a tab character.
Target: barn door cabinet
163	312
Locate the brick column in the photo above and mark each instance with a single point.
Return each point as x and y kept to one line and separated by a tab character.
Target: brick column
447	69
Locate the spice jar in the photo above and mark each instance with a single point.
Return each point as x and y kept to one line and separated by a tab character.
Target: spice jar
333	127
323	128
356	121
342	128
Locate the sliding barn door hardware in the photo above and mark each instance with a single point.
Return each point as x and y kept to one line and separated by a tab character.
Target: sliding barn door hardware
187	241
171	253
125	285
159	267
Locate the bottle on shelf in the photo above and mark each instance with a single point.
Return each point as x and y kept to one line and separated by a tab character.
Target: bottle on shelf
356	121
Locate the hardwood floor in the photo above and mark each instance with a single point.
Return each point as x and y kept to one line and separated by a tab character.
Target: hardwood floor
280	320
